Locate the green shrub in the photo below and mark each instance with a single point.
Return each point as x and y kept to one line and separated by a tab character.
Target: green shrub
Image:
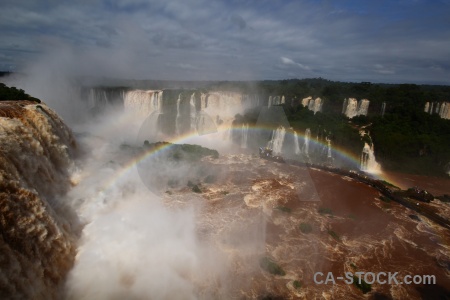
334	235
196	189
363	286
283	209
385	199
325	211
270	266
297	284
305	228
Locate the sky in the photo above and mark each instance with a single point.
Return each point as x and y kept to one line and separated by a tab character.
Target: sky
405	41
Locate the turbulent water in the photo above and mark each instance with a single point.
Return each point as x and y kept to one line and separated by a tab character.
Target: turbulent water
38	231
94	226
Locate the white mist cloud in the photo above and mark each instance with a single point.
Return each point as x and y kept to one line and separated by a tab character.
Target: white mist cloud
288	61
137	245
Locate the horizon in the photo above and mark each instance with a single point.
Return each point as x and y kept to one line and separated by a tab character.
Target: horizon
9	73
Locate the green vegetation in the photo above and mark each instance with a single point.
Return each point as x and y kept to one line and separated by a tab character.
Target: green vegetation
389	184
325	211
406	139
12	93
224	192
297	284
353	266
334	235
385	199
305	228
352	216
363	286
270	266
283	209
196	189
184	152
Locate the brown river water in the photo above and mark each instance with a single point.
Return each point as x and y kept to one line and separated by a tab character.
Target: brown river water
255	208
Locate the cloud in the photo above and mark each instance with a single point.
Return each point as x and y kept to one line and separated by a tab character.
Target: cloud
236	40
288	61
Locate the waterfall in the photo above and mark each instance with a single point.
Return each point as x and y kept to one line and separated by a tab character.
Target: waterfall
97	98
203	101
383	109
143	102
306	145
328	147
317	106
277	140
193	111
226	136
363	107
177	120
296	144
353	107
368	161
244	135
305	101
39	231
442	109
344	106
311	104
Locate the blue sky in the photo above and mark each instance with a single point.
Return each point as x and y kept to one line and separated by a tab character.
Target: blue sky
379	41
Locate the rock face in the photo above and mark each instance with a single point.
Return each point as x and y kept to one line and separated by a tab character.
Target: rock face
37	230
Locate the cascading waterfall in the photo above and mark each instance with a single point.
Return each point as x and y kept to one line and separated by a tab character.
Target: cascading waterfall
193	111
352	107
427	107
363	107
328	147
244	135
177	120
97	98
383	109
368	161
143	102
443	109
38	229
278	139
306	145
296	144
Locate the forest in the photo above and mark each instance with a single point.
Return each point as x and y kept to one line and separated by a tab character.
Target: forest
406	138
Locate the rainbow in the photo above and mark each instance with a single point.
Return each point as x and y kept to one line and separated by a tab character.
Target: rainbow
186	139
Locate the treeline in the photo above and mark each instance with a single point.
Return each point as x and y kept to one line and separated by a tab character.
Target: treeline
406	139
333	92
12	93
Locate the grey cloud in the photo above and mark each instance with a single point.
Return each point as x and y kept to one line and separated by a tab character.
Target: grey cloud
223	41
